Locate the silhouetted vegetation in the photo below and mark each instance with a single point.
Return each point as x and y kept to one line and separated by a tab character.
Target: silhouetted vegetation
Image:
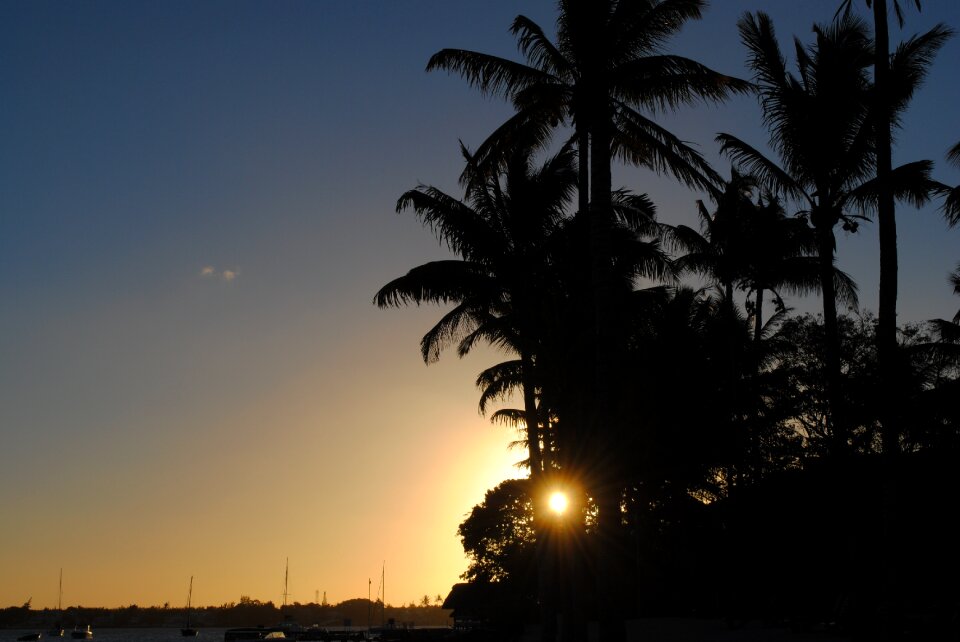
246	612
721	460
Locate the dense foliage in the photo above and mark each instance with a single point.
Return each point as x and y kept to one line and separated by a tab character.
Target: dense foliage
681	419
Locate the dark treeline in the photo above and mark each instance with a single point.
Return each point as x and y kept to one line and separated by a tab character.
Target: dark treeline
247	612
723	455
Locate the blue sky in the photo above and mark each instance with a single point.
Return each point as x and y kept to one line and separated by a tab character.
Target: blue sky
196	208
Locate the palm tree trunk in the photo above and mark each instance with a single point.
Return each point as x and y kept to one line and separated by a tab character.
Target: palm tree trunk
886	216
583	170
831	331
754	438
887	327
531	416
546	580
758	321
604	474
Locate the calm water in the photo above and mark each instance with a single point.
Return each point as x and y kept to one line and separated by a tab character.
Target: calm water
123	635
149	635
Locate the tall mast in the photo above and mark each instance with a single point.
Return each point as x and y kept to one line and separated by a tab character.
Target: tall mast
189	599
383	576
60	595
286	577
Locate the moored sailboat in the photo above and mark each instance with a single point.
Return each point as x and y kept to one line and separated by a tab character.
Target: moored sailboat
187	631
56	631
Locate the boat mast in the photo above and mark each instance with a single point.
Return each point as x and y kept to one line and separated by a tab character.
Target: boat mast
189	598
383	576
60	595
286	577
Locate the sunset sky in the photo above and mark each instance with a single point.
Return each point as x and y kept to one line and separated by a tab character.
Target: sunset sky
196	209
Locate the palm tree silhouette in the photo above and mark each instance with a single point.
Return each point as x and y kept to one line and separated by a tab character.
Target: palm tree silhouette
782	260
499	233
754	247
821	126
719	250
893	90
606	67
951	203
498	286
951	212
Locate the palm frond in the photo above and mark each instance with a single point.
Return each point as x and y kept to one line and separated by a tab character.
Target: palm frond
498	382
910	64
495	330
491	74
768	173
437	282
797	276
537	48
951	204
644	27
910	182
636	211
454	222
529	128
642	142
666	82
953	155
845	288
765	58
454	325
513	418
635	258
689	240
774	321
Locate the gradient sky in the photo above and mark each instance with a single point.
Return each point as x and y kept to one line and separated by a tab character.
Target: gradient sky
196	208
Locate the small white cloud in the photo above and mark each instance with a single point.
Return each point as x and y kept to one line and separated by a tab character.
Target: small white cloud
211	272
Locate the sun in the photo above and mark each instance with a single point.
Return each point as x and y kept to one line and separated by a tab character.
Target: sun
559	502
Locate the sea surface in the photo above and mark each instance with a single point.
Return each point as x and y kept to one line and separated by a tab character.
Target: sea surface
122	635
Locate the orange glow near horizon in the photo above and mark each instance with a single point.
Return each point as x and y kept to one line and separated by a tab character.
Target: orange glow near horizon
338	485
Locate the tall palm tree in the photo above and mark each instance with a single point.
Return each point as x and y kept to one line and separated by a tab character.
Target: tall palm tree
719	250
821	126
497	285
887	224
754	247
782	259
892	94
607	66
511	285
